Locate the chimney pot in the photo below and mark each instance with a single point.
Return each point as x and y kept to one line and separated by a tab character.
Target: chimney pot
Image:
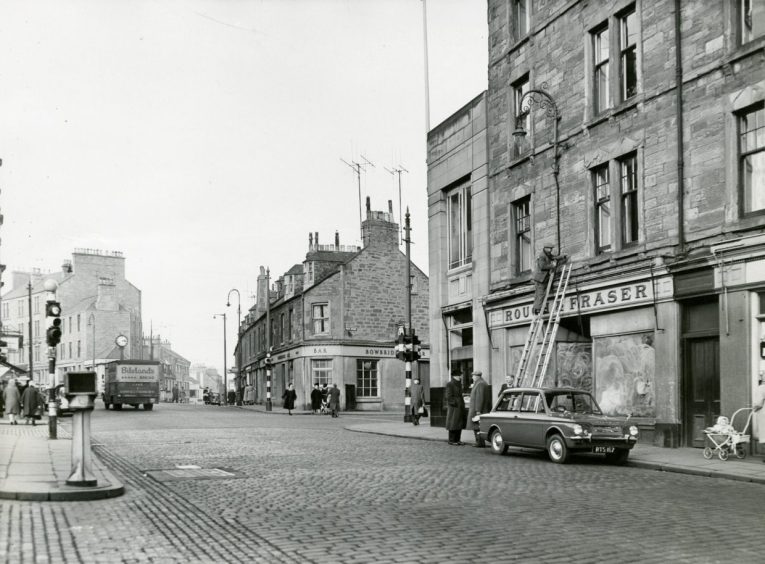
369	205
316	238
310	240
337	240
390	206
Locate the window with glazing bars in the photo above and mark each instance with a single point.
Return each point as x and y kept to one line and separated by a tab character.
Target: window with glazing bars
601	99
752	158
628	52
320	318
602	190
629	200
366	379
460	227
522	217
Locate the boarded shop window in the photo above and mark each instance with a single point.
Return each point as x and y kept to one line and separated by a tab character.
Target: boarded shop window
625	374
752	158
366	379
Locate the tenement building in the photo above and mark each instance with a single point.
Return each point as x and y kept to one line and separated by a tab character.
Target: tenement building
98	304
333	320
629	136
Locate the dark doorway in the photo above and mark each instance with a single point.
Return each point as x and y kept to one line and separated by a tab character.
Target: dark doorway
702	387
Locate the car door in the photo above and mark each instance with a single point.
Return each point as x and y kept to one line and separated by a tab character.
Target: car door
507	423
530	423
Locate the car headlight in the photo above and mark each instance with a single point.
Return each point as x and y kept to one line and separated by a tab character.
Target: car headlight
633	431
578	429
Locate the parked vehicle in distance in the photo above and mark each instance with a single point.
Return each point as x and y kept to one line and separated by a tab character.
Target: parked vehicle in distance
132	382
562	421
214	398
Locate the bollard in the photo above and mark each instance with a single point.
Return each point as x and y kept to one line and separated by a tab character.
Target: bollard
80	390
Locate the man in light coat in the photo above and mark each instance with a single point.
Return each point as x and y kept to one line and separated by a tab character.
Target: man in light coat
12	399
418	400
455	410
480	402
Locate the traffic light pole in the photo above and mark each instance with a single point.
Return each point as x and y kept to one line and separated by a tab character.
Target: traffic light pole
408	331
269	407
52	419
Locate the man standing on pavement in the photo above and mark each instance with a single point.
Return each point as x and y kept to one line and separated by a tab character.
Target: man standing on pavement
480	402
545	264
455	410
334	400
418	400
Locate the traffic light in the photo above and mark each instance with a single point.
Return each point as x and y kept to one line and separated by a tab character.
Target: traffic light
53	334
3	350
416	347
401	344
269	362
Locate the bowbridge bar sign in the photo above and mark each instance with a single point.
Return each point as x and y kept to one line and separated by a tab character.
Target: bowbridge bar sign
591	301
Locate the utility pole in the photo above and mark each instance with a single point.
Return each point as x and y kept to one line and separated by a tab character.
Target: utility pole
357	168
268	340
408	330
398	171
31	363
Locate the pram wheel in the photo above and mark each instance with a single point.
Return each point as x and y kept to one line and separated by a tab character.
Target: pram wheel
707	453
723	454
740	451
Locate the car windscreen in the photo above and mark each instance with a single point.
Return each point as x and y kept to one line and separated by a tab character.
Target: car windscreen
573	402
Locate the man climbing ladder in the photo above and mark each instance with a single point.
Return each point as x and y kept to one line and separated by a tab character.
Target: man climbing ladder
546	263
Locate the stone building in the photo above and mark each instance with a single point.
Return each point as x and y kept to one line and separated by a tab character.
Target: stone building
335	319
174	369
654	187
98	304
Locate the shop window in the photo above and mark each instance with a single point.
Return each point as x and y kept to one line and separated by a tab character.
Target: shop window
320	318
602	198
366	379
751	151
321	371
600	90
522	235
459	204
752	19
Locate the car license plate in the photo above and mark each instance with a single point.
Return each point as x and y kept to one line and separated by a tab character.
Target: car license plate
603	450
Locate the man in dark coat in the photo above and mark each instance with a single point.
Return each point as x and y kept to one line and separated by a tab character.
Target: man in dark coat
316	398
545	265
289	396
480	402
455	410
508	383
334	400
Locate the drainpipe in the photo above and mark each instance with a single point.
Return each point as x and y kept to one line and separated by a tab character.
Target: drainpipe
680	140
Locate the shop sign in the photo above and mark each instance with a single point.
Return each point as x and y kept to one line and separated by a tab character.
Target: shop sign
584	302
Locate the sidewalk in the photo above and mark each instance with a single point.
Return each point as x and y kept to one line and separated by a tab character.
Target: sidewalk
681	460
35	468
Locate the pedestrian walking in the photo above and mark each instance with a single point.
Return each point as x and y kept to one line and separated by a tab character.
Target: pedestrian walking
418	401
480	402
544	265
31	404
289	396
334	400
316	398
759	409
3	383
12	400
455	410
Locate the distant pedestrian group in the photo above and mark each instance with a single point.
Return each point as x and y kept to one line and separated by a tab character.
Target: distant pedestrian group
323	400
28	403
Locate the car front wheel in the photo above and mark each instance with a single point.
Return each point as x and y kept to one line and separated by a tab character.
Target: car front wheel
498	445
557	449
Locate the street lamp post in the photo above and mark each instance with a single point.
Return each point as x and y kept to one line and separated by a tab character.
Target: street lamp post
540	98
238	337
225	375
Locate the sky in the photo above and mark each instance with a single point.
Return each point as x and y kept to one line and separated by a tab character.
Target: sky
204	139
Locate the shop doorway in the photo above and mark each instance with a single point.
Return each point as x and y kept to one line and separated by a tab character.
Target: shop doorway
702	387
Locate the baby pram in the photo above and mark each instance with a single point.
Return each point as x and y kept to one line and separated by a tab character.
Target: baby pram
725	438
324	410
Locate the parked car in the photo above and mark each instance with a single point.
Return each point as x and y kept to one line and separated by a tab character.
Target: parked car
562	421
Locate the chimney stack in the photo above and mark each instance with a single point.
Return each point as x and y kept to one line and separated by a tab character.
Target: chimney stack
337	241
390	206
310	240
369	205
316	238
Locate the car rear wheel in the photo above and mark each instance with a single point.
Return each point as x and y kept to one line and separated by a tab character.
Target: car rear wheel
497	443
557	449
148	406
619	456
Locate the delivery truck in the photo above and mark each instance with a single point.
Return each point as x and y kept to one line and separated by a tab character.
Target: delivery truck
131	382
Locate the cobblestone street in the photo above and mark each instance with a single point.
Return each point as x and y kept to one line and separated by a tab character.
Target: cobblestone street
304	489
